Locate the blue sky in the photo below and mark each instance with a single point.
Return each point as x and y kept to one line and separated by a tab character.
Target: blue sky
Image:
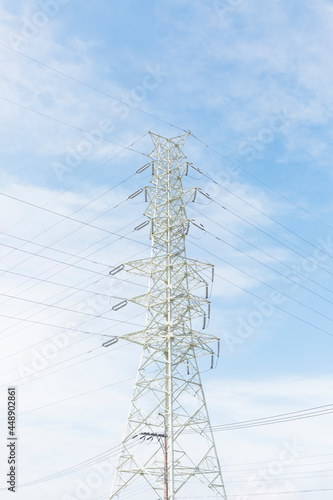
81	81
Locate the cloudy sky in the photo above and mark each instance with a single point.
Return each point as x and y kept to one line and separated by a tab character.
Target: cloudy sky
81	84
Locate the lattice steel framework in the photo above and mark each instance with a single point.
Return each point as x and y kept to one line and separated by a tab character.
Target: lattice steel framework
168	381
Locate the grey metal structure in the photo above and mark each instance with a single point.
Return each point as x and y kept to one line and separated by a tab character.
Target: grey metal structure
168	380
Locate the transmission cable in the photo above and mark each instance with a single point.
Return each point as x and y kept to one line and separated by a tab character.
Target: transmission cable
261	182
65	216
263	213
265	265
270	236
84	177
272	269
91	87
264	300
69	125
74	293
260	249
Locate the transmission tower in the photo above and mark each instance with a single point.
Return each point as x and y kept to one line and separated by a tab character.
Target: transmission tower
168	408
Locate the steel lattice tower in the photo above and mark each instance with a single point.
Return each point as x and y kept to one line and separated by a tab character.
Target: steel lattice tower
168	385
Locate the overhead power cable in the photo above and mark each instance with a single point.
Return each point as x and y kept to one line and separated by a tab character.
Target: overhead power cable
265	283
63	361
105	94
32	240
61	327
93	391
85	177
264	213
270	286
272	237
68	217
294	270
315	411
66	309
264	300
38	377
282	492
65	262
10	101
76	80
269	267
260	181
71	295
101	334
41	280
47	247
71	265
272	269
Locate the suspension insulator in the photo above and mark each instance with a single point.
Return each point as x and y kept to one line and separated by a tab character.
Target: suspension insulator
218	348
110	342
141	169
120	305
141	226
136	193
206	291
194	195
196	168
116	269
212	362
186	169
204	322
146	194
199	225
208	314
204	194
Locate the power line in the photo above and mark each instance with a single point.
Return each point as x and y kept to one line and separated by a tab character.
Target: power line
45	247
266	284
263	213
76	396
73	255
282	417
62	362
270	236
163	121
66	367
87	175
91	87
168	123
80	324
41	280
282	492
261	182
266	301
102	333
68	217
68	125
83	280
291	459
60	308
61	327
297	271
54	225
73	213
70	295
59	261
64	263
